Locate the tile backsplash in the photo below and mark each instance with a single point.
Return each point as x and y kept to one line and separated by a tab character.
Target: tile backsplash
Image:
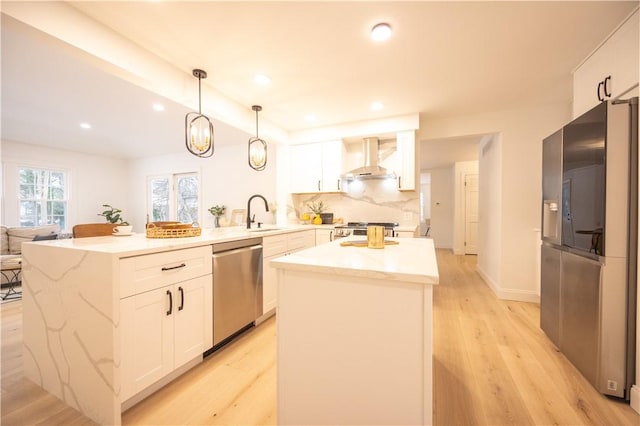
372	200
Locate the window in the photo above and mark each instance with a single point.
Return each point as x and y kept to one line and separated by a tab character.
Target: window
43	197
174	198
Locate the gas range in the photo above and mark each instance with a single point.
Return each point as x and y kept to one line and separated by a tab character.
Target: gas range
360	228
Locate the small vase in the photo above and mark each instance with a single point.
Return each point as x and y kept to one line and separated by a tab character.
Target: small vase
216	222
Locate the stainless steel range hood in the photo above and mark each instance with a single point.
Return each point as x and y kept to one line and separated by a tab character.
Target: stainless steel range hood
371	169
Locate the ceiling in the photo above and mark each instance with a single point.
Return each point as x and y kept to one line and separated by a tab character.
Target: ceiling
444	59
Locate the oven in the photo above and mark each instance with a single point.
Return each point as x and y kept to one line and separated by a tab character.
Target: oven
360	228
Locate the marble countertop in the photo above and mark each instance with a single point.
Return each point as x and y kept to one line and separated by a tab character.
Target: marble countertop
138	244
411	260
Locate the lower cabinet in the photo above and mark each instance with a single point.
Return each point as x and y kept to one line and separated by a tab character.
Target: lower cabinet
405	234
324	236
273	247
163	329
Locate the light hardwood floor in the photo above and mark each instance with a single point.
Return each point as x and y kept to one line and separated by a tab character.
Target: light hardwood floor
492	366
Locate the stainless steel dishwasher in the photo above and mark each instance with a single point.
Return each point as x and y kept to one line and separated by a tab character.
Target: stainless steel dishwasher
237	287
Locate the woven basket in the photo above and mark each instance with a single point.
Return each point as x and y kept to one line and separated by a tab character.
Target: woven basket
172	230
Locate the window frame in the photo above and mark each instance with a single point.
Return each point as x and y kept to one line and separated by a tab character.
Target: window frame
173	196
66	187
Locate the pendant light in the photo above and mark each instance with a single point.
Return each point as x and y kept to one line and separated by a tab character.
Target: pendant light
197	127
257	147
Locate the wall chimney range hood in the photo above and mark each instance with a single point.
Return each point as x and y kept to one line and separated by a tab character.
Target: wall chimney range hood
371	168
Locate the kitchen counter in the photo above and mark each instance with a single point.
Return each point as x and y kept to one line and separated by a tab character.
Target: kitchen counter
103	318
139	244
355	334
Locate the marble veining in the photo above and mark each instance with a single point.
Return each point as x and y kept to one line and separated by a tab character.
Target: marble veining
376	200
411	260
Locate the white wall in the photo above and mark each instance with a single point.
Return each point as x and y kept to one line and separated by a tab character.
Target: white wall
512	268
442	202
490	211
94	181
225	179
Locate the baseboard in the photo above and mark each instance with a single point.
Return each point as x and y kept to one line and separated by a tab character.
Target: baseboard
635	398
159	384
516	295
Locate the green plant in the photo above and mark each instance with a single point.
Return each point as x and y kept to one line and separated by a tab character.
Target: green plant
317	207
112	215
217	211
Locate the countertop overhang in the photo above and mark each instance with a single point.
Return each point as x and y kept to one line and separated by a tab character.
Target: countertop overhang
411	260
138	243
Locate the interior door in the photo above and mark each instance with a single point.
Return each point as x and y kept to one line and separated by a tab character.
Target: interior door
471	214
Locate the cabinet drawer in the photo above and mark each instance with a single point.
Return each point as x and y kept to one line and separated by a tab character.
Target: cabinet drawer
274	245
147	272
301	240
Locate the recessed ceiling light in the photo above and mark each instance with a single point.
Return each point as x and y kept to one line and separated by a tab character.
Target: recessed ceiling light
85	125
377	106
310	117
381	32
261	79
158	107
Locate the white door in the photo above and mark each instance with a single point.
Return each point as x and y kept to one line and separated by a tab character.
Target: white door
471	214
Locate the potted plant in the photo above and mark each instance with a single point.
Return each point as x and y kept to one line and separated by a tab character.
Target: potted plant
217	211
318	208
112	215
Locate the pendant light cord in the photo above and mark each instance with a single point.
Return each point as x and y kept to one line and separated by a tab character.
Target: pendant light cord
257	125
199	94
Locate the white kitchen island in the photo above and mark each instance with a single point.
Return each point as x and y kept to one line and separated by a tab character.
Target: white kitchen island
108	320
355	334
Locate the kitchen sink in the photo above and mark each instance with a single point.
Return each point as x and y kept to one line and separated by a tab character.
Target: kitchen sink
264	229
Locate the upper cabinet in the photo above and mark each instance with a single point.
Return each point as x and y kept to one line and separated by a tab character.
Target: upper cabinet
611	71
316	167
406	160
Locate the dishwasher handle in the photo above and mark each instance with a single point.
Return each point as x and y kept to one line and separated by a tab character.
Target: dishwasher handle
237	250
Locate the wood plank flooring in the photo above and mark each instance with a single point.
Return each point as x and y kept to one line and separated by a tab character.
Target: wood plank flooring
492	366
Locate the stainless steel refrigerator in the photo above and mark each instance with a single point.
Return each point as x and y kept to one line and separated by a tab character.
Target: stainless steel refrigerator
589	243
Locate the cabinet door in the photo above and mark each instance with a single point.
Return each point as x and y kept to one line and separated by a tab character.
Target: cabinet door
405	234
617	59
193	316
306	168
332	154
324	236
300	240
406	155
273	247
146	329
269	284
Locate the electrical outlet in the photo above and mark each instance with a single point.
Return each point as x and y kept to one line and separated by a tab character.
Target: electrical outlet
407	216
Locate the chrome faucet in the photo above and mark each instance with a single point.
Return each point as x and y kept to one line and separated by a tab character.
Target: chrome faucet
249	219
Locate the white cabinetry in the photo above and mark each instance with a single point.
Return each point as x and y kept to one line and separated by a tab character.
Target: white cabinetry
405	234
324	236
611	71
166	325
406	160
274	246
316	167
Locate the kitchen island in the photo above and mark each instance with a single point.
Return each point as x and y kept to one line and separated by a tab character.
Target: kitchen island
355	334
108	320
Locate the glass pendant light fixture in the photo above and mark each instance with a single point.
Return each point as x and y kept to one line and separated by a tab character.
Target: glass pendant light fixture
197	127
257	147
